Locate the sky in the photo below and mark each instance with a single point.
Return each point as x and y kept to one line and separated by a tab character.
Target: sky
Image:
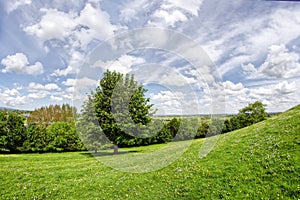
194	57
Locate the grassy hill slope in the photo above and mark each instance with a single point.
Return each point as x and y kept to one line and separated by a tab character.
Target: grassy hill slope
258	162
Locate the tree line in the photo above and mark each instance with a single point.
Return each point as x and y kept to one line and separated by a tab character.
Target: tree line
47	134
119	106
116	114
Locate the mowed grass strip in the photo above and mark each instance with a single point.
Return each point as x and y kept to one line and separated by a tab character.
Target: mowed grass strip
258	162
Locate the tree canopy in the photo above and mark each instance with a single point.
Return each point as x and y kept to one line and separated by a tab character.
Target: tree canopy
252	113
119	106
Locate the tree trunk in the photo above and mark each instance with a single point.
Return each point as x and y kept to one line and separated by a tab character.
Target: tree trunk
116	149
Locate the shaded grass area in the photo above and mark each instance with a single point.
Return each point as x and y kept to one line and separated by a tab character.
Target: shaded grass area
258	162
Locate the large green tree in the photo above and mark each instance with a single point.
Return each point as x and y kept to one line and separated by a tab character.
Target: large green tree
120	107
88	126
252	113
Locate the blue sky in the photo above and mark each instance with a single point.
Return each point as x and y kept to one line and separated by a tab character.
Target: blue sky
253	49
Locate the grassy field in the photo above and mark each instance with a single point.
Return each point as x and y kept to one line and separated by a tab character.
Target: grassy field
258	162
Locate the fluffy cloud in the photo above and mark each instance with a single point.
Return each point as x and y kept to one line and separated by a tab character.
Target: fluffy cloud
12	97
73	67
225	95
53	24
191	6
168	102
80	89
172	78
167	96
19	96
277	95
15	101
167	14
285	87
73	31
124	64
19	63
280	63
233	89
172	12
56	98
233	44
37	95
35	69
69	82
203	74
15	63
80	83
249	69
167	18
33	87
91	23
77	88
11	92
98	22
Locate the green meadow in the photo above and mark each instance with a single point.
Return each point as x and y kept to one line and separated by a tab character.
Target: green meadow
261	161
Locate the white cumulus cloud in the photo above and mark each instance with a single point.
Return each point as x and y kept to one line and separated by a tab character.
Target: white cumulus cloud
53	24
56	98
172	12
78	29
281	63
192	6
34	87
19	63
286	87
124	64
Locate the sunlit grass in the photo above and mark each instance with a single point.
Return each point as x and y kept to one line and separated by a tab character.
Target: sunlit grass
257	162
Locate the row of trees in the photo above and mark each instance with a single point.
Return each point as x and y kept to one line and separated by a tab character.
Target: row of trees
117	114
119	106
63	136
50	114
159	131
15	136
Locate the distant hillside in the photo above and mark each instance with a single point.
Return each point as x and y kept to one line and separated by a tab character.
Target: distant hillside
6	108
15	110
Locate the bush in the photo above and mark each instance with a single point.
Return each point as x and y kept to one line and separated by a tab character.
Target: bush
63	137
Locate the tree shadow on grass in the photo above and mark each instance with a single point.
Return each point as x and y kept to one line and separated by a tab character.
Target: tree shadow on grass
106	153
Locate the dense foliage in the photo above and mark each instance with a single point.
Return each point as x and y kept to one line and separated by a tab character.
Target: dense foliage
12	131
16	137
251	114
119	107
97	128
118	113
